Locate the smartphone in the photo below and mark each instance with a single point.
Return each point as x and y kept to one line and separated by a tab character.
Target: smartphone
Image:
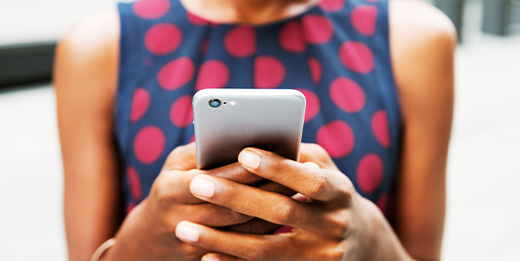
229	120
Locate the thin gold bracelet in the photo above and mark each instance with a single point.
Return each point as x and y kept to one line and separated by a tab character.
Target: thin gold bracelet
102	249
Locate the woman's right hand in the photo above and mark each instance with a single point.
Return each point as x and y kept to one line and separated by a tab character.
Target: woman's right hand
148	232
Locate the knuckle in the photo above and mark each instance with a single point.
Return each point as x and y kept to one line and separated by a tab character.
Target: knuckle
320	185
340	224
286	213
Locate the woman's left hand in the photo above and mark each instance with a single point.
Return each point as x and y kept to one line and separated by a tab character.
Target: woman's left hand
330	220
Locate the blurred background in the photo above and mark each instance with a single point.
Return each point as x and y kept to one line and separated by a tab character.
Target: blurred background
483	217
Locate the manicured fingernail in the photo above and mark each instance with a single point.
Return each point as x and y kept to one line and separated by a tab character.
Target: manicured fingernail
210	258
250	159
202	187
186	233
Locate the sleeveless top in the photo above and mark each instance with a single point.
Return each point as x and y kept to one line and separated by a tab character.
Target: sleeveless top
336	53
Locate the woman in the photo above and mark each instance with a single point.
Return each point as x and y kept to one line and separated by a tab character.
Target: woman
378	78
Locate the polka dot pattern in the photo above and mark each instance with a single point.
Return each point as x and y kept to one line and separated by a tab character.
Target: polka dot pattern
337	138
347	95
380	128
316	70
134	183
291	37
212	74
181	112
357	57
151	9
312	106
140	103
162	39
196	20
176	73
269	72
149	144
364	19
240	42
332	5
369	173
331	53
317	29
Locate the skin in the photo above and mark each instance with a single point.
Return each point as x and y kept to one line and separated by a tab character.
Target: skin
332	221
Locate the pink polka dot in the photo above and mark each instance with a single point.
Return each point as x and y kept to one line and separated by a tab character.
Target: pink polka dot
317	29
316	70
134	183
181	112
372	1
269	72
149	144
347	95
364	19
151	9
369	173
332	5
291	37
204	45
140	103
337	138
356	56
283	230
176	73
162	39
380	128
212	74
312	106
241	41
196	20
382	202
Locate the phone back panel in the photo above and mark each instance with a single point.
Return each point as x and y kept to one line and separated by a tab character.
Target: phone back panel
267	119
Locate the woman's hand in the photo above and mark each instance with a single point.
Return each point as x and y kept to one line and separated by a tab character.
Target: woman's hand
148	231
331	220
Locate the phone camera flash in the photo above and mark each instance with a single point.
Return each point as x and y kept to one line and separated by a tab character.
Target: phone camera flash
232	103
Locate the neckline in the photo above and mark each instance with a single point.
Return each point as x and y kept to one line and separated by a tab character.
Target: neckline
283	20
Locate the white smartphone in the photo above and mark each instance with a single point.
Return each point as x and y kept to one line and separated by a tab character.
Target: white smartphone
229	120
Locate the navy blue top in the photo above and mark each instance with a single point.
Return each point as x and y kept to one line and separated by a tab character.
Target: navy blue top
336	53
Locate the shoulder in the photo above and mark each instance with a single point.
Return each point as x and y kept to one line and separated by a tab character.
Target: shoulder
422	43
86	61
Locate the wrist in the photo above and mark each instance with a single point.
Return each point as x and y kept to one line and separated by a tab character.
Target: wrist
132	237
385	243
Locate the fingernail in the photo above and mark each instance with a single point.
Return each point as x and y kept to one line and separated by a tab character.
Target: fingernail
202	187
186	233
210	258
250	159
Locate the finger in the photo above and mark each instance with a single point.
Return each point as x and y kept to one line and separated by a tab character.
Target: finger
315	153
173	185
315	183
214	215
220	257
250	247
256	202
182	158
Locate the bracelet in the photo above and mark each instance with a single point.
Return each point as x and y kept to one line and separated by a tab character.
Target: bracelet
102	249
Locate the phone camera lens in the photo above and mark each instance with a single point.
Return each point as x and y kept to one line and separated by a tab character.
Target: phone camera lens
215	103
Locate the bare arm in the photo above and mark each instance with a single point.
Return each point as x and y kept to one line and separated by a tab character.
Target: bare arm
85	82
423	42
